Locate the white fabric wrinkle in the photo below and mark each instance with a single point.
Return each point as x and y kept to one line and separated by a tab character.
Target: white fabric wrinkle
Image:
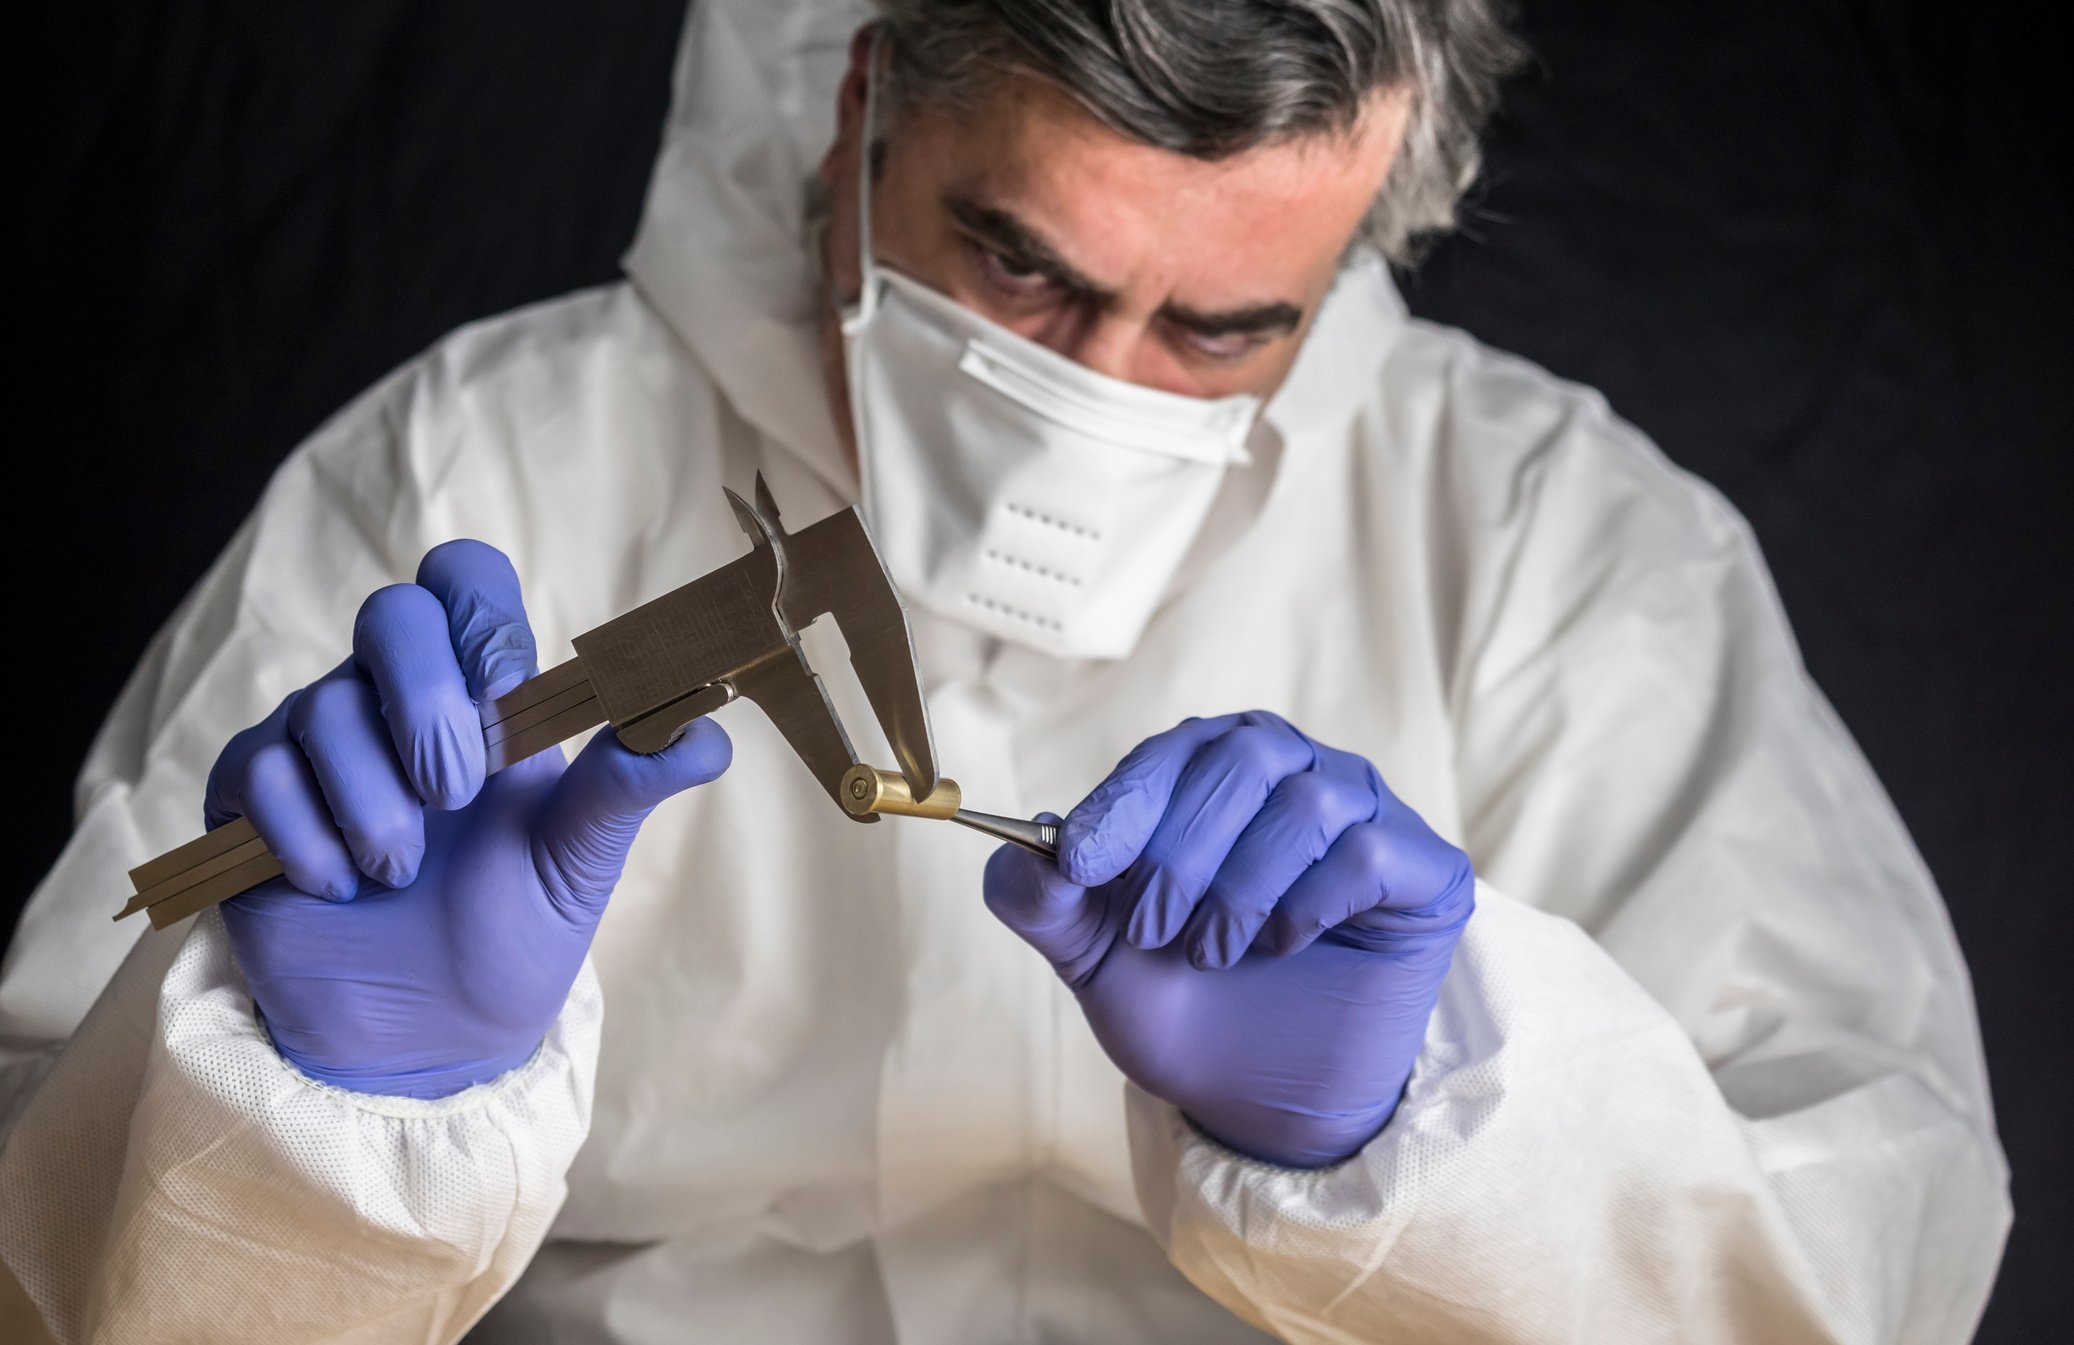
181	657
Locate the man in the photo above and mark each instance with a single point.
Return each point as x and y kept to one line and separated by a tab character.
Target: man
1474	925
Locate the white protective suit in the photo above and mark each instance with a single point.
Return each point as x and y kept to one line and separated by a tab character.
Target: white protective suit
1705	1068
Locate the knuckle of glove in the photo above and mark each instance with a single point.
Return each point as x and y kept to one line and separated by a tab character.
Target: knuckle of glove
277	791
1317	808
1280	749
225	791
1427	885
271	772
1306	748
1312	796
463	563
387	611
1255	748
324	709
1268	719
232	771
1371	852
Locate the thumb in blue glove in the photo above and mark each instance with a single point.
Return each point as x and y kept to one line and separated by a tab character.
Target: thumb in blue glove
431	920
1256	928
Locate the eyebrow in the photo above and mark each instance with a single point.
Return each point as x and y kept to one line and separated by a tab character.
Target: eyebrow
1029	250
1278	318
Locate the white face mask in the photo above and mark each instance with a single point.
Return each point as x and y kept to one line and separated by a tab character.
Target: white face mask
1010	489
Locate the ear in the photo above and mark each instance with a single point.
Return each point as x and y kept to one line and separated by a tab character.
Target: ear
849	107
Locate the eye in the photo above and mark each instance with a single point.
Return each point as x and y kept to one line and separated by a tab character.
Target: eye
1010	275
1223	346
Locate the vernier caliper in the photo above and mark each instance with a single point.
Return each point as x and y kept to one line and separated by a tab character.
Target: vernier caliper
732	634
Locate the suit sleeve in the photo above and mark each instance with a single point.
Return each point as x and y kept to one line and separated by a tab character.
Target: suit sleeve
1706	1066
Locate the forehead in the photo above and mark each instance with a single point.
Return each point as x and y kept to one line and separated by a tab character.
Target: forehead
1262	224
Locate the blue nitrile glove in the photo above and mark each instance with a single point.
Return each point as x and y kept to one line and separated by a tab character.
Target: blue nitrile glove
1256	928
431	921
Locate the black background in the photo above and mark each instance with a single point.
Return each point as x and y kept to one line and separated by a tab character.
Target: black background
1815	248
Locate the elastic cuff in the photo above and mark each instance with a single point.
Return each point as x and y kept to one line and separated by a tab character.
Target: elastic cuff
427	1099
1225	1149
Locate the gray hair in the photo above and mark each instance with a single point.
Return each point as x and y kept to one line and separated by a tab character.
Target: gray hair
1211	78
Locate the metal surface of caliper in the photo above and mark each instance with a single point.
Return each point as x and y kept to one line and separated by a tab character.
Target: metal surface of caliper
731	634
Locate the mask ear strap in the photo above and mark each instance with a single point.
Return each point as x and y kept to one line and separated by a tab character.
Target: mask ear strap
867	270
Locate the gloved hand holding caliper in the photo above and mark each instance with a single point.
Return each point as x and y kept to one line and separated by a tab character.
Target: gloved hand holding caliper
460	869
